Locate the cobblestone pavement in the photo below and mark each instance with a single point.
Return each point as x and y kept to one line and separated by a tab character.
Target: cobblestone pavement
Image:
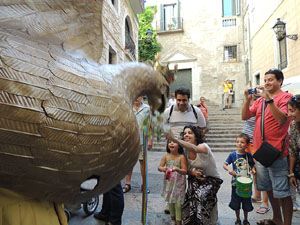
156	216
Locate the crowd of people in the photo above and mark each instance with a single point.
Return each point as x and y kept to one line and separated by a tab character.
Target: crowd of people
191	179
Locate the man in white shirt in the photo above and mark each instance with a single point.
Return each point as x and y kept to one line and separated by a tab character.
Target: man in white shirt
183	113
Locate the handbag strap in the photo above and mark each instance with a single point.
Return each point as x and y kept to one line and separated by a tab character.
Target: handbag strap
263	107
262	121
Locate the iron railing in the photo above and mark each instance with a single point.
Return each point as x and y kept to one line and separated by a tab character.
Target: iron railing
229	22
175	23
282	65
130	45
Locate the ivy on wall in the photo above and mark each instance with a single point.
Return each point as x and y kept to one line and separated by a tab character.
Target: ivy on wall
147	48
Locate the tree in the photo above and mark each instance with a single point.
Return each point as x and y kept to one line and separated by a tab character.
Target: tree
147	48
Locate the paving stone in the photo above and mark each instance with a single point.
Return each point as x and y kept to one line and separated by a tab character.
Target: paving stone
156	204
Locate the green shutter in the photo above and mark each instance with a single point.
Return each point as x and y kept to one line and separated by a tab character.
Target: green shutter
162	18
222	8
179	25
233	8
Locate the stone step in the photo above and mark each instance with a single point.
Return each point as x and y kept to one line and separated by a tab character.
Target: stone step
221	144
226	124
220	140
232	132
225	118
210	135
215	113
225	127
223	149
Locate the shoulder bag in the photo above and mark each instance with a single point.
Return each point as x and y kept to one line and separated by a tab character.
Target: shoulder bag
267	153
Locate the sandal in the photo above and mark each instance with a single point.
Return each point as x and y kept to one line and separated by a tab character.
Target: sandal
126	188
262	210
266	222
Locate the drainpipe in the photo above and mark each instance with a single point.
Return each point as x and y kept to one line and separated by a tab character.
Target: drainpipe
249	49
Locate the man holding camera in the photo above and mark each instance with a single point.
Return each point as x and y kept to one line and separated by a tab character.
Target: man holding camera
273	179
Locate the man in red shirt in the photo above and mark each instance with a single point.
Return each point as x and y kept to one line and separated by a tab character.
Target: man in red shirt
273	179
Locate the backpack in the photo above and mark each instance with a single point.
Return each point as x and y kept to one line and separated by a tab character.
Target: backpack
172	108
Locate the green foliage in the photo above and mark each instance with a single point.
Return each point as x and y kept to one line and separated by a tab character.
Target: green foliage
147	48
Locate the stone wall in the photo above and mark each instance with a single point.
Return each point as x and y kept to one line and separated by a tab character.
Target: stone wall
200	46
265	51
114	17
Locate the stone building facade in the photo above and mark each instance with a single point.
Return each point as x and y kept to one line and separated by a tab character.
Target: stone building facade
120	30
266	50
205	39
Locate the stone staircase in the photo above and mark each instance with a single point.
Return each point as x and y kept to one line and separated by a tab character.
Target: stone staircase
225	126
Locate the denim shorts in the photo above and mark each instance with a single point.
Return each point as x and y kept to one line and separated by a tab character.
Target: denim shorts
274	178
236	202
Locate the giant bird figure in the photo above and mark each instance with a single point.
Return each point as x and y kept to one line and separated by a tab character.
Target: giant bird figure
63	117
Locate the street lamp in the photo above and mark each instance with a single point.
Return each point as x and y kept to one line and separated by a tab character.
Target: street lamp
149	34
279	29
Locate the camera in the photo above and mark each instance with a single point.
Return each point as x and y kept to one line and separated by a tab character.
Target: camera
254	91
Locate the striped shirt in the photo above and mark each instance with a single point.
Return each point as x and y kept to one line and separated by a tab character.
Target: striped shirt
249	126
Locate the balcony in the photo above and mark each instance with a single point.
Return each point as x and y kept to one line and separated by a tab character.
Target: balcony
173	25
130	45
229	22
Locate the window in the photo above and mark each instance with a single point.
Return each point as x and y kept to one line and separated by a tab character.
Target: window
282	54
257	79
112	56
231	8
230	53
129	43
170	17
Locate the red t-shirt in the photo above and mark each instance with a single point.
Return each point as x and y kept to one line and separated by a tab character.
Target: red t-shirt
203	108
274	132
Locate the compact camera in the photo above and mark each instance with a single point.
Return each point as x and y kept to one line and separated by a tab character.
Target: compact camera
254	91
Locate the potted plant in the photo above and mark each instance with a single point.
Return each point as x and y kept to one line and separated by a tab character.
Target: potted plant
170	26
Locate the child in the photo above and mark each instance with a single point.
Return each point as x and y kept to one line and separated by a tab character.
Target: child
240	160
175	166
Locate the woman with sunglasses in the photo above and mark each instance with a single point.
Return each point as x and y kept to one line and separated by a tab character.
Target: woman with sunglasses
294	147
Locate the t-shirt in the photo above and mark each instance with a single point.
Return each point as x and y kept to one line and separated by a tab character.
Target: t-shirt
249	127
179	120
239	163
205	162
227	87
203	108
274	132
